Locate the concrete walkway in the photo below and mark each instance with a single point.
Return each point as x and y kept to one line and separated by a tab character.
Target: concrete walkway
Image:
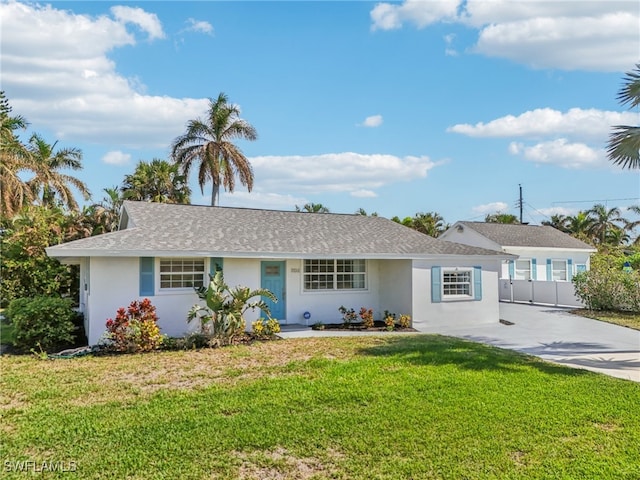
551	333
559	336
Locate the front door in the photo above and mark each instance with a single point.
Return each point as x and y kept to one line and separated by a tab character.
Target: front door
272	277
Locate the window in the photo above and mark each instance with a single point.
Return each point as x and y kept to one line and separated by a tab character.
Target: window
523	270
457	283
559	270
335	274
181	273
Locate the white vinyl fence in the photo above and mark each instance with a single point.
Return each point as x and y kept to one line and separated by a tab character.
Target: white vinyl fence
539	292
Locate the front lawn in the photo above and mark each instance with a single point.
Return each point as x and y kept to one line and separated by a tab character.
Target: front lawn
625	319
412	406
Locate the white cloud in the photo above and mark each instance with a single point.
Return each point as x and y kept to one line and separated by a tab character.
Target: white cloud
595	35
576	122
353	173
372	121
116	157
387	16
257	199
549	212
364	194
562	153
147	22
490	208
56	71
198	26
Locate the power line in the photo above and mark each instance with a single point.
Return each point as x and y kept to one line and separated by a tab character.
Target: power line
593	201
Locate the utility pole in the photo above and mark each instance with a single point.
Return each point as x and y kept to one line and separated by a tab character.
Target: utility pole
520	202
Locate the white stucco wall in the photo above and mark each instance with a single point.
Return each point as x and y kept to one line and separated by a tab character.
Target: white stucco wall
323	306
541	255
459	313
395	291
400	286
468	236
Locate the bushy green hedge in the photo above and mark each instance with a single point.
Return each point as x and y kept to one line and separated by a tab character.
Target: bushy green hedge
606	286
42	322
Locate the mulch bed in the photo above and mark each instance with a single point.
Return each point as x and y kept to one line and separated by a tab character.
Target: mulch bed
378	326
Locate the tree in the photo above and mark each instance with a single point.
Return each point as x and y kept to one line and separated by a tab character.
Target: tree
156	181
559	222
14	159
207	145
603	221
48	182
27	271
363	212
106	213
501	218
313	208
579	225
430	223
623	147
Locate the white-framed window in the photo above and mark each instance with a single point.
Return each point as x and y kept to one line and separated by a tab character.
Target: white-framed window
335	274
559	270
522	270
457	283
177	273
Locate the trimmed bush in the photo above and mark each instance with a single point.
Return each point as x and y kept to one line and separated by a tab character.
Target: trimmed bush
135	329
44	322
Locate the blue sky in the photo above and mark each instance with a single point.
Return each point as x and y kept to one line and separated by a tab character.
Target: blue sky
396	108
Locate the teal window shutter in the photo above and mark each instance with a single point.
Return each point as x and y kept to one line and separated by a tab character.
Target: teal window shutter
512	269
549	272
147	276
569	269
534	269
215	263
436	285
477	283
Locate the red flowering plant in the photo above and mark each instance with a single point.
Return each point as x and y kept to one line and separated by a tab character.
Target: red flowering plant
135	329
367	317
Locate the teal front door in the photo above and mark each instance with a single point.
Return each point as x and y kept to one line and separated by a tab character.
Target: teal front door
272	277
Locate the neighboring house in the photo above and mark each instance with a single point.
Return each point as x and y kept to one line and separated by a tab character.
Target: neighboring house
313	263
545	254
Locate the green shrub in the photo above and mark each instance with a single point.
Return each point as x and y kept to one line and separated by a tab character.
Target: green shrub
265	328
607	287
44	322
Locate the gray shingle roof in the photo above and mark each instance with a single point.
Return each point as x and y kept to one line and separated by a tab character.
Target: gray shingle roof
155	228
517	235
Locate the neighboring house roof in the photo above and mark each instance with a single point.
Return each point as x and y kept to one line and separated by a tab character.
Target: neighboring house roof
151	229
518	235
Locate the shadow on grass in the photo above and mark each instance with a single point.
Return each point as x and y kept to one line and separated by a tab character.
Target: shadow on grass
441	350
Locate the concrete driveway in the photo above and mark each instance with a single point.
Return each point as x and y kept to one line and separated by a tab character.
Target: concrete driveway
556	335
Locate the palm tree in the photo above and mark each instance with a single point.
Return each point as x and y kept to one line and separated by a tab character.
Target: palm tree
14	159
313	208
208	144
623	147
604	221
501	218
430	223
48	182
156	181
106	213
580	225
559	222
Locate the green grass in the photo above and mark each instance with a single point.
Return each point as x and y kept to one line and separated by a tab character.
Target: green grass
349	408
625	319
